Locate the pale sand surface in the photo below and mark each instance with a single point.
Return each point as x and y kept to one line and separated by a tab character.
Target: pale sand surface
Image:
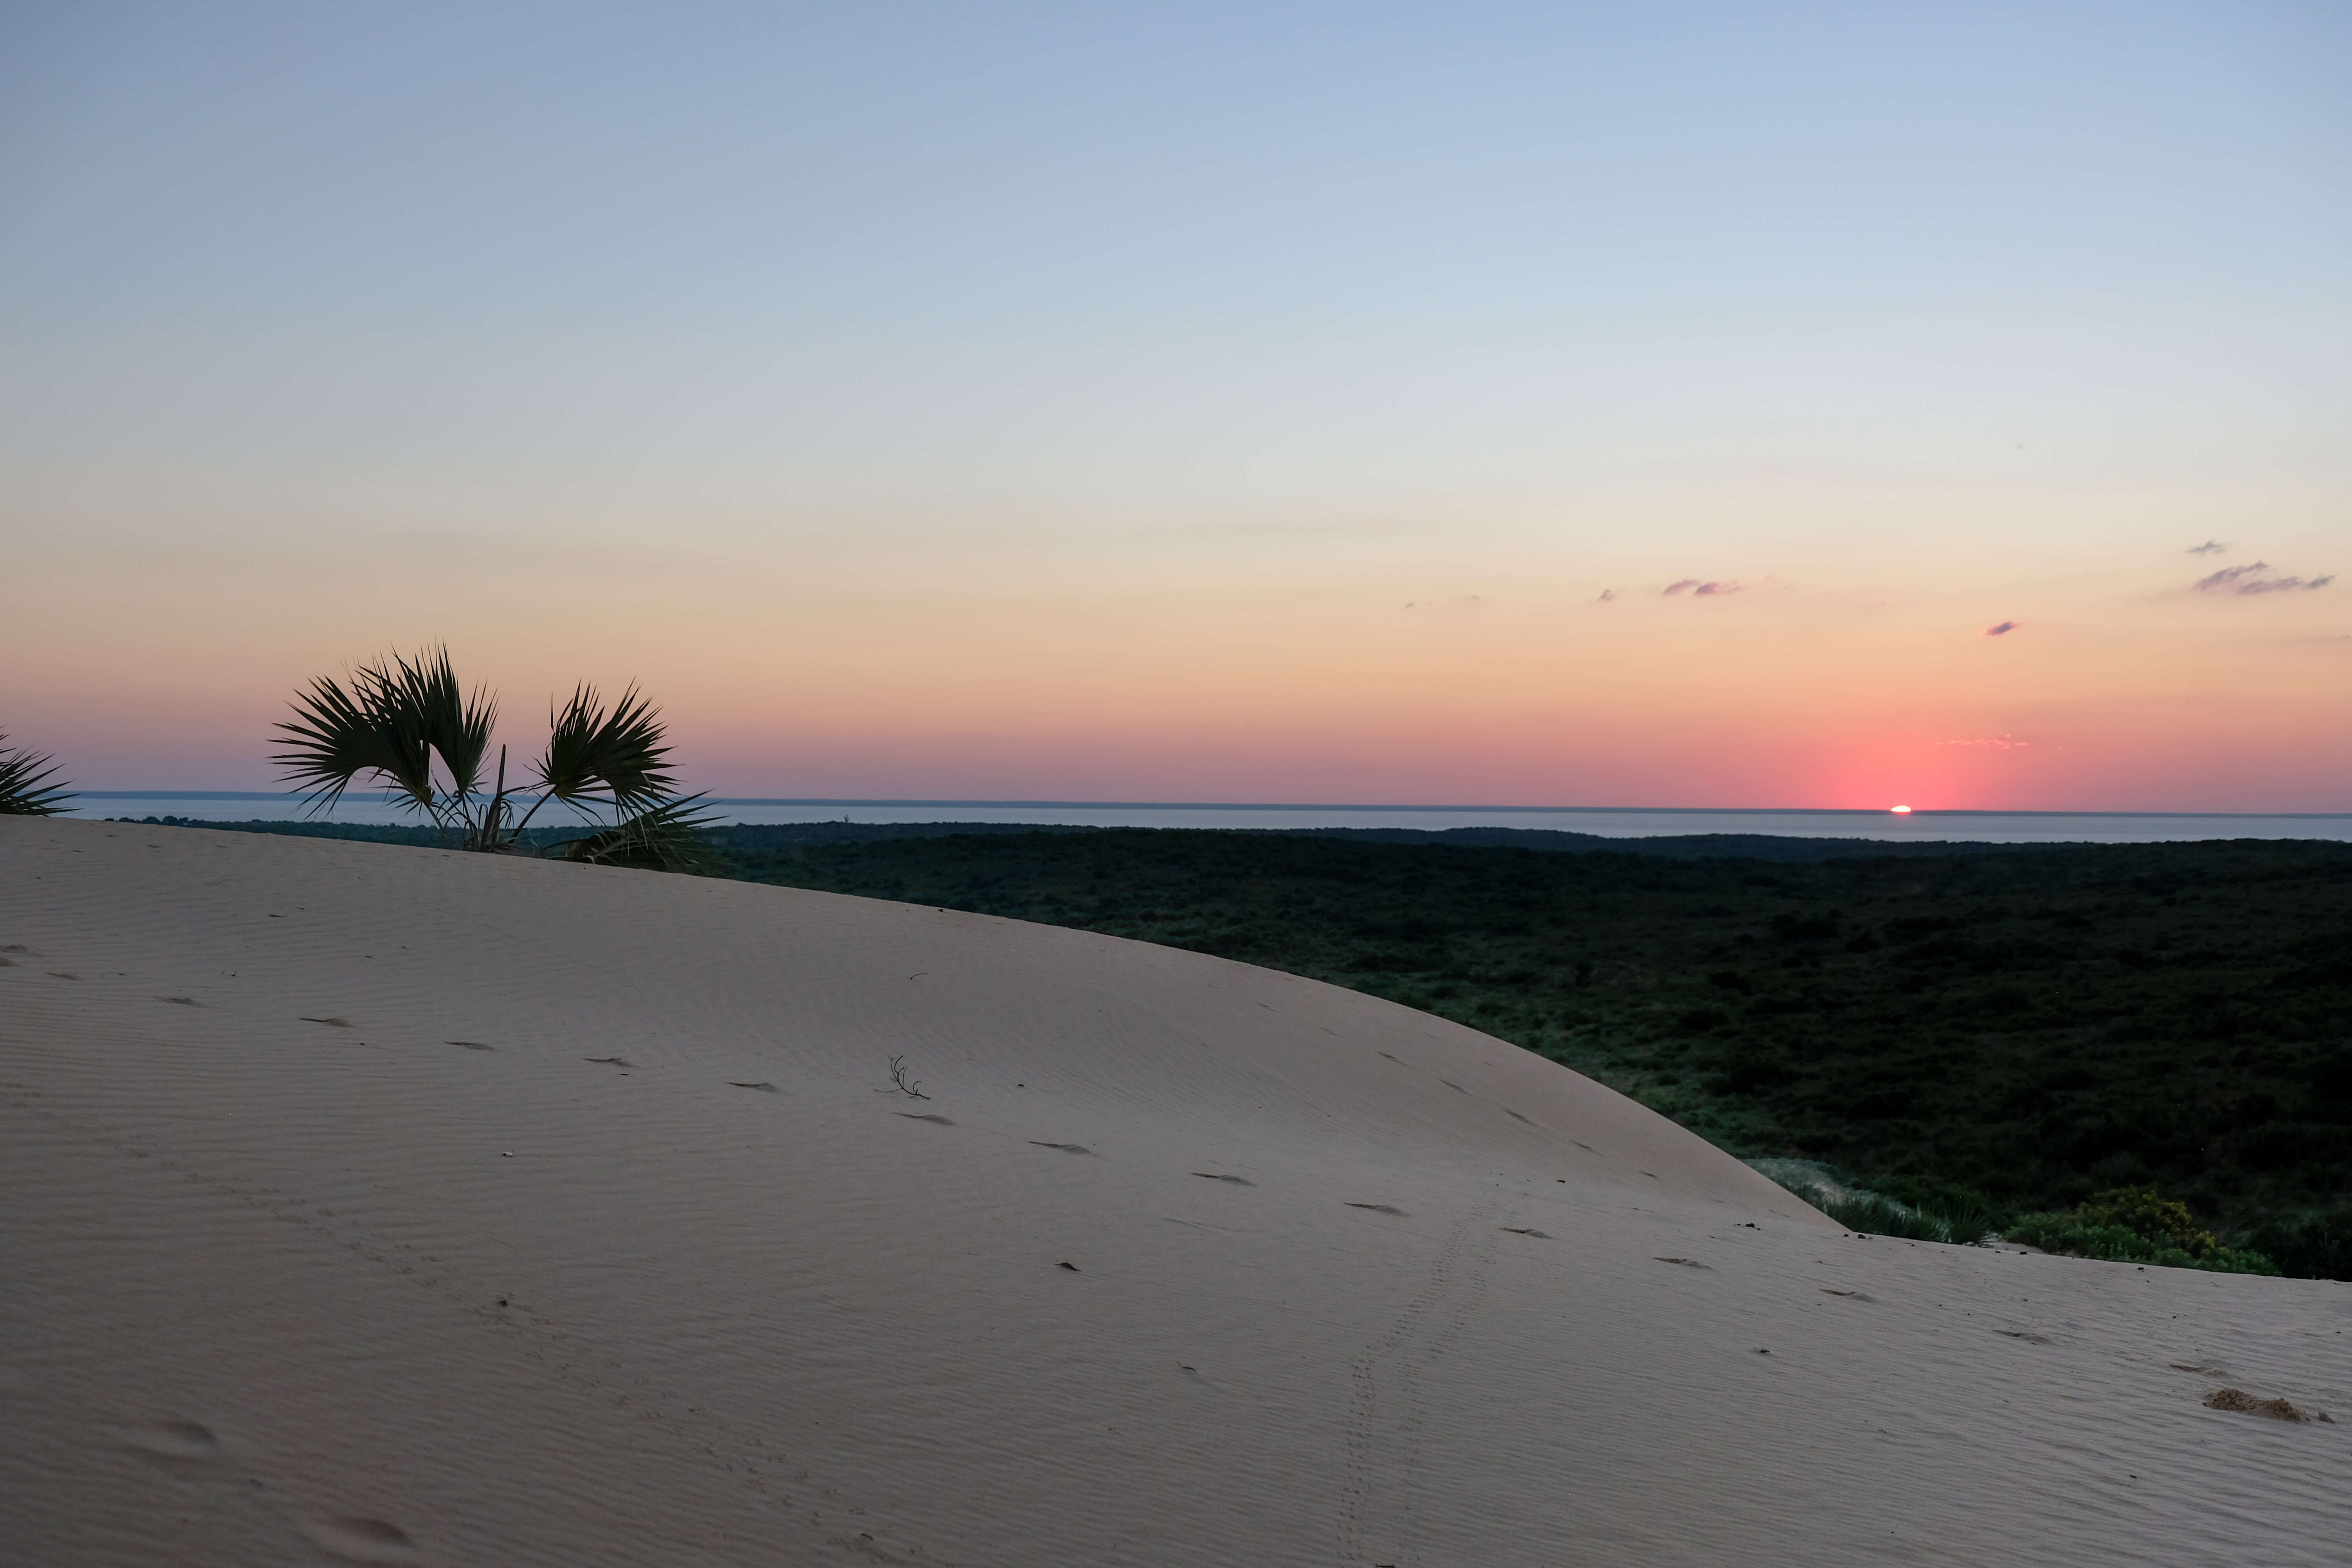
279	1291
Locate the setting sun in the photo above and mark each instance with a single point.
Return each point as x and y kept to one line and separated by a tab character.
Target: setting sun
1900	810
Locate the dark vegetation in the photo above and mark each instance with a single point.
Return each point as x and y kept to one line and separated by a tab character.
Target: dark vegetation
409	726
2135	1224
1980	1035
1990	1034
25	789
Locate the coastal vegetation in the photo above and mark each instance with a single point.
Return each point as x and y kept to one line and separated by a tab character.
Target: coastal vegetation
2136	1224
1972	1040
25	787
1975	1037
408	725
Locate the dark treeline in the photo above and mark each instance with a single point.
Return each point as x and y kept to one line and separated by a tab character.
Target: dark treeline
2013	1029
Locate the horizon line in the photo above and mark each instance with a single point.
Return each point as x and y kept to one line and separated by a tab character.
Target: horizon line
1310	805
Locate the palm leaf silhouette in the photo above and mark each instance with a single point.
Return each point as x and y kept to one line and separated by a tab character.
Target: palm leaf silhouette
664	837
392	723
23	789
401	720
615	758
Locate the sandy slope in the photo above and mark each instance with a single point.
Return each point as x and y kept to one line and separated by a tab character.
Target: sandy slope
289	1274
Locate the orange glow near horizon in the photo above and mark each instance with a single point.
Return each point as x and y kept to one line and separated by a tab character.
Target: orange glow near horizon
1792	697
1037	435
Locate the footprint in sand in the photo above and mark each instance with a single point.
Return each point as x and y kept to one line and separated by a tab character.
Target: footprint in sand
918	1116
611	1061
1382	1208
181	1000
173	1440
1522	1230
1849	1295
762	1088
1235	1180
470	1044
1686	1262
2028	1336
357	1540
1065	1148
332	1023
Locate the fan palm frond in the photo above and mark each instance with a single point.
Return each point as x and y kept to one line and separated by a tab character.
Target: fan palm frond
22	792
666	836
616	758
337	735
455	725
396	717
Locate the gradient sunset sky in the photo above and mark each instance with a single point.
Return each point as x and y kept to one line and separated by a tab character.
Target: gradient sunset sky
1674	405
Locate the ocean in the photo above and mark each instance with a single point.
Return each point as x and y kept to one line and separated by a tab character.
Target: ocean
1614	822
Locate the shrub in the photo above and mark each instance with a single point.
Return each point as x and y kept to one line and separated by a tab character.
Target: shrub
2135	1224
2310	1245
410	725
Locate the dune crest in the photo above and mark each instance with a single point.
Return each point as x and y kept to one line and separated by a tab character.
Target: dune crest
1177	1261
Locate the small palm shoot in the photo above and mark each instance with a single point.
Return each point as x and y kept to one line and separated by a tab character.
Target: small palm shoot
25	789
409	725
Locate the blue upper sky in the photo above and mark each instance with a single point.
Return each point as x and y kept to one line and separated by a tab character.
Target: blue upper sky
1855	296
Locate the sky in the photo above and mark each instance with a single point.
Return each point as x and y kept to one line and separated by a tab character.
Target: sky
1745	404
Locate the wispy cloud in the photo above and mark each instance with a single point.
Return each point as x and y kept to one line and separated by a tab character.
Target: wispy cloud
2253	578
1990	743
1341	527
2003	629
1698	589
1607	595
2210	547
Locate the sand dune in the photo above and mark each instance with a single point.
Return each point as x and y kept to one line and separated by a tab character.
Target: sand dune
374	1205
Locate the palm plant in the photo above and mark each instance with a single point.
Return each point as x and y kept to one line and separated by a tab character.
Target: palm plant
23	791
409	725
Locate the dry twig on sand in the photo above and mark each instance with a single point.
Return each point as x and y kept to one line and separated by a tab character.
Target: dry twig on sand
899	1084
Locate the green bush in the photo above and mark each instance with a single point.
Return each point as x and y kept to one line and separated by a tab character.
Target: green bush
2135	1224
2143	1211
